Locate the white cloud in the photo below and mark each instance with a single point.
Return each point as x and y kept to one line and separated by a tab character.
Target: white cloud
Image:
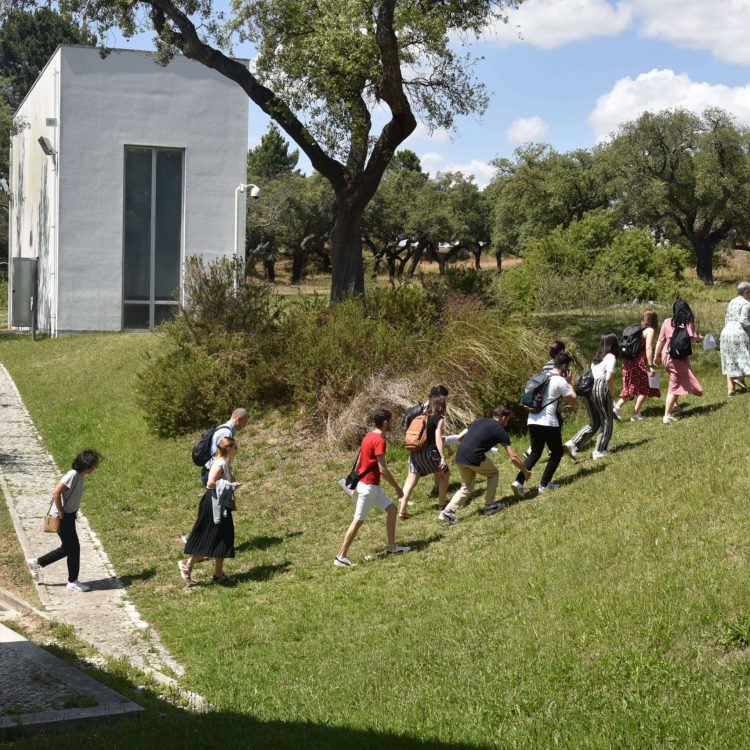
482	171
719	26
527	129
664	89
552	23
422	133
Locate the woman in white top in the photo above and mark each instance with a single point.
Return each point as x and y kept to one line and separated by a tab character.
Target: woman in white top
599	400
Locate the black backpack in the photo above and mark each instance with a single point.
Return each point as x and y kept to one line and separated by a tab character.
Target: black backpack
532	399
680	345
585	383
631	344
202	450
409	414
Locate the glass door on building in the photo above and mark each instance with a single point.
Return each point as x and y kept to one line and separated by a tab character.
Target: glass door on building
152	246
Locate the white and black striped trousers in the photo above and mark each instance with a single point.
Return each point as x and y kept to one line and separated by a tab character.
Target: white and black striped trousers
599	406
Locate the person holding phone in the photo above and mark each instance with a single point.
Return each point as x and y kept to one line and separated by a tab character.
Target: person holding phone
213	532
545	427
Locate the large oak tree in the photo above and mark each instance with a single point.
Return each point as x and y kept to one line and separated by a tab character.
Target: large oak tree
344	79
687	178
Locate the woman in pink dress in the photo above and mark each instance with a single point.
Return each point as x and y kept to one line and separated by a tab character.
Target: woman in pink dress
682	380
635	372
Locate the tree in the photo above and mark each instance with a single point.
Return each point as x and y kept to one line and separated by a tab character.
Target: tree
687	178
290	217
271	158
27	41
321	72
406	159
541	189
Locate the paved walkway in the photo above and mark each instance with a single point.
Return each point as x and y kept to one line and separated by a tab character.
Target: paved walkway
38	691
103	616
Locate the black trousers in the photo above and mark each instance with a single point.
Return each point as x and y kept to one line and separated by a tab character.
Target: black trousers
541	436
70	549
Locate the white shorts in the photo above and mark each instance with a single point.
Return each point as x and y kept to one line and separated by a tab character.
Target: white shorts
367	496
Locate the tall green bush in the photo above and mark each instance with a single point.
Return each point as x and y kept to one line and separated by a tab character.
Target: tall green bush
590	263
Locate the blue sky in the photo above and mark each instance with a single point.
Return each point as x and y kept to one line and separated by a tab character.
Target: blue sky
567	72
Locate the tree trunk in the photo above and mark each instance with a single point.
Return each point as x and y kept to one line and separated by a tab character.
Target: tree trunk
269	266
499	260
704	254
415	258
477	250
299	261
348	270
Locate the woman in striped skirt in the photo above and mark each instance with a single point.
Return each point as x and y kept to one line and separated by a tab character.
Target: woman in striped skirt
431	459
599	400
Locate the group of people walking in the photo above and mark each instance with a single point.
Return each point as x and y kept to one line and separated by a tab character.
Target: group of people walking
642	350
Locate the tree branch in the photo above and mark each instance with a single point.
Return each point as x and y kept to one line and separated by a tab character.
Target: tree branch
187	40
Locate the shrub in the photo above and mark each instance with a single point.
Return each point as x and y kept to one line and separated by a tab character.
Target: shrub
591	263
330	350
219	351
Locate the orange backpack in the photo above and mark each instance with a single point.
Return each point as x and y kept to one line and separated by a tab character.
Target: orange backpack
415	437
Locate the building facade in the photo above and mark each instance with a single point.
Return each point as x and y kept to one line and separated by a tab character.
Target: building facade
120	169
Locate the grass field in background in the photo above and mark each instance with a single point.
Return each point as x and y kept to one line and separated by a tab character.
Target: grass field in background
607	614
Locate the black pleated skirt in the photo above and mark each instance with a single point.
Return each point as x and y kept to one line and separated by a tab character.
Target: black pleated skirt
206	538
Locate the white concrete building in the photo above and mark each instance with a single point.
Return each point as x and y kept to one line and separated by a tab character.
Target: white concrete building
136	170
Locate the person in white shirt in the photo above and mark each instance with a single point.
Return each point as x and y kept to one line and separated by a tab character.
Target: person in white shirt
599	400
545	427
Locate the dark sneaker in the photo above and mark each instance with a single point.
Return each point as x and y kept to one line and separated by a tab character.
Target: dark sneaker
447	516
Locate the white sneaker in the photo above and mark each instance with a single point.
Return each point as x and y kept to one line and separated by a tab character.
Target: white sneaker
571	450
548	488
34	567
616	412
518	489
637	418
344	562
670	418
78	586
399	550
447	516
596	455
490	510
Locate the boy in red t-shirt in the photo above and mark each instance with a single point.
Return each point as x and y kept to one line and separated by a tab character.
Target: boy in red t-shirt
370	467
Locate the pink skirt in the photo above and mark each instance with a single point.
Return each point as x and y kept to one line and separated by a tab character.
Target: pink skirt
682	380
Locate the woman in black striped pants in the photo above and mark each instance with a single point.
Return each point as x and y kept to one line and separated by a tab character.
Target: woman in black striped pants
599	400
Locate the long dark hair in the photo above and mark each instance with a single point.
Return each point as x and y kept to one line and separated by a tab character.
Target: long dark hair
681	313
608	344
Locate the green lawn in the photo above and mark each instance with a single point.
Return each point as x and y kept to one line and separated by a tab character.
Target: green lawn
594	617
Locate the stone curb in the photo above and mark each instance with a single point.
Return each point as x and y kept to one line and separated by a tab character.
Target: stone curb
110	705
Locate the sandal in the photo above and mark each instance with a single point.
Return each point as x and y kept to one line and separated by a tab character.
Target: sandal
224	580
403	515
185	570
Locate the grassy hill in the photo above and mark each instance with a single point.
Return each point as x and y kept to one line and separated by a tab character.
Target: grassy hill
613	613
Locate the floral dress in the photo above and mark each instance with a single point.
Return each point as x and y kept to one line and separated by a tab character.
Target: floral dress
635	377
734	341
